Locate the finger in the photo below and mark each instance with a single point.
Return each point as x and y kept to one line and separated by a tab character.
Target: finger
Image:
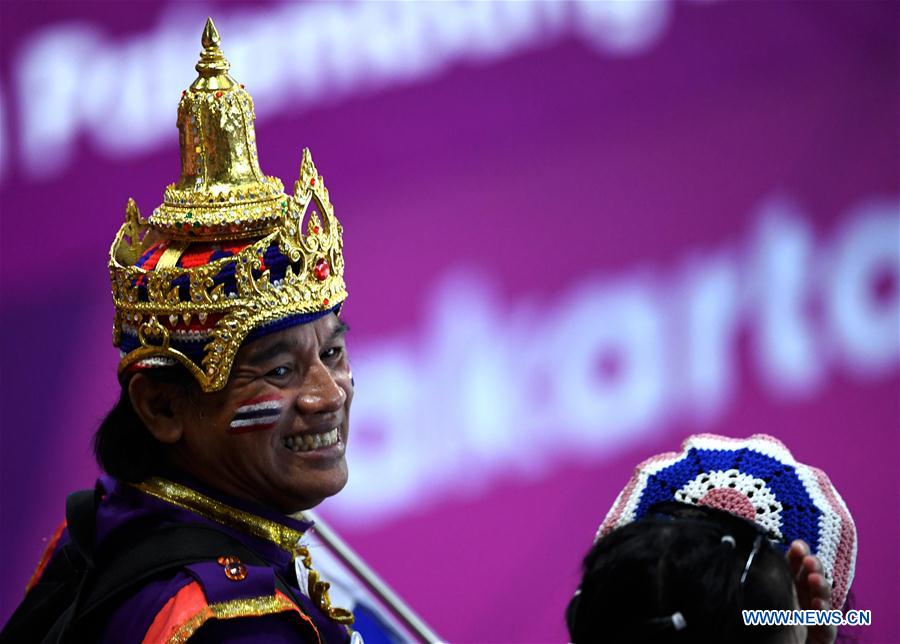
801	545
804	596
812	564
807	565
819	586
795	555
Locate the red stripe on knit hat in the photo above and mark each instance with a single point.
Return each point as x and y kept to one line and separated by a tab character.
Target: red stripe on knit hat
843	561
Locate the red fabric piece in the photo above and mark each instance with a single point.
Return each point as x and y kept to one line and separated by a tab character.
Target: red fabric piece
45	557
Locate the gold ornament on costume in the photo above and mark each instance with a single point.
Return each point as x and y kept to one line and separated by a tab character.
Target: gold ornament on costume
222	197
318	591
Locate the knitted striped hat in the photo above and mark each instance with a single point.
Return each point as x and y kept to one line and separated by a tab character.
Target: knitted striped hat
756	478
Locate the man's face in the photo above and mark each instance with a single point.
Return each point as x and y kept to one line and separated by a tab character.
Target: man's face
277	432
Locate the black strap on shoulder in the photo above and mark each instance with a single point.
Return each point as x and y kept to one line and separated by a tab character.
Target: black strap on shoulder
81	519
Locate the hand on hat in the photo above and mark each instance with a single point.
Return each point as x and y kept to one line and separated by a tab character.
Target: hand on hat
813	589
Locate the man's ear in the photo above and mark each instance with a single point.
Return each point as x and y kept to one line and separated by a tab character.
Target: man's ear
157	405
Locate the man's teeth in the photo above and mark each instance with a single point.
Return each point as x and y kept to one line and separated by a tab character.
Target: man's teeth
308	442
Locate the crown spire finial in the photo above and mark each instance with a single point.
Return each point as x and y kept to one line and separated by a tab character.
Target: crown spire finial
210	36
212	63
222	190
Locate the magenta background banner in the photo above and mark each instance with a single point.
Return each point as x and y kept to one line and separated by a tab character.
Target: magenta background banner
575	233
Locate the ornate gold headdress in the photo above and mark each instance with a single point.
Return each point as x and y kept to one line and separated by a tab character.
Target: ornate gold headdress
225	255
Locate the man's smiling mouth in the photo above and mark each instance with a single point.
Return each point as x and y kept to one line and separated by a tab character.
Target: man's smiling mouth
310	442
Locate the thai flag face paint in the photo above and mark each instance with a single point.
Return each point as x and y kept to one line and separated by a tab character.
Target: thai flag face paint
256	414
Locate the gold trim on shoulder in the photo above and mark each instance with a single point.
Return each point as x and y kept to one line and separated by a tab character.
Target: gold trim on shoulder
184	497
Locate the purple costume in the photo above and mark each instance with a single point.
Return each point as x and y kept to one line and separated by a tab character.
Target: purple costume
219	600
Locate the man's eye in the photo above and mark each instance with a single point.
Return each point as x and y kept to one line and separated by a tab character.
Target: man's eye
331	354
279	372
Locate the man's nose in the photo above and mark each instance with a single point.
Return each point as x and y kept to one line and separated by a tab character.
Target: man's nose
319	392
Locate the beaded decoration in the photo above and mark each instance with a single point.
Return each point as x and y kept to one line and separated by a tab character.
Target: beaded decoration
756	478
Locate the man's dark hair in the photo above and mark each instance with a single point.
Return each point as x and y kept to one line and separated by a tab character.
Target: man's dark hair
123	446
639	575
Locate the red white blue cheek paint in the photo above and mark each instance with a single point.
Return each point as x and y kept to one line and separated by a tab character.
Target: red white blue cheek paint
256	414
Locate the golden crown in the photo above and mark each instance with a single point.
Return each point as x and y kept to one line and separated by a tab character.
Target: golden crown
222	199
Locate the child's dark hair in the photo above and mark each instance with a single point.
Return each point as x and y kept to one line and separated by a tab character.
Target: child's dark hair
123	446
676	576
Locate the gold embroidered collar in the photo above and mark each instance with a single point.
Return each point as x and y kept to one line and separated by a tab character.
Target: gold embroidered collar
184	497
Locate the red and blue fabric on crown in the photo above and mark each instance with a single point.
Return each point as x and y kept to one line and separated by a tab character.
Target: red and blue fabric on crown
191	338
